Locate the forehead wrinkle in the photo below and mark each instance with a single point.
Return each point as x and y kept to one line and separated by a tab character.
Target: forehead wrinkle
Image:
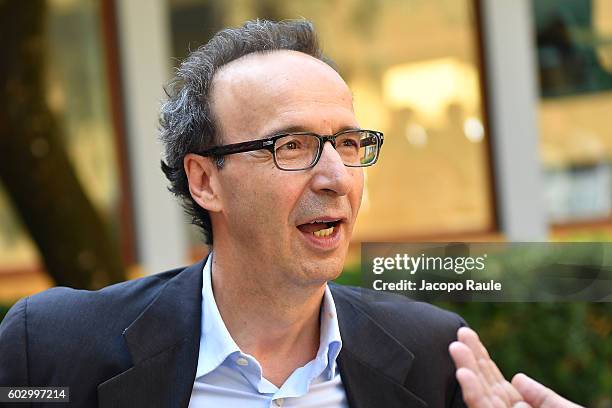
286	123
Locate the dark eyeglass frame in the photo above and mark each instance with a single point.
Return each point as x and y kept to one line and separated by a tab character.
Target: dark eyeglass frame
269	143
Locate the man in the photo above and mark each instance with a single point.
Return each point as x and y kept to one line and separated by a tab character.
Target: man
255	323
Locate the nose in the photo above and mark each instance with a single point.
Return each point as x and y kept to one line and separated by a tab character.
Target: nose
331	175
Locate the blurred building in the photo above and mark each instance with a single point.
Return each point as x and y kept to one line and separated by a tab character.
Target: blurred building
495	114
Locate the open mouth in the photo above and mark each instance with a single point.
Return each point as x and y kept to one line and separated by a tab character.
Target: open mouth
320	229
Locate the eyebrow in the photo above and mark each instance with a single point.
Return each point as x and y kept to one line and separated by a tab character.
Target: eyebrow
300	128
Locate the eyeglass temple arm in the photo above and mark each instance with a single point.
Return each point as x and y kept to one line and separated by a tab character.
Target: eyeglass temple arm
239	148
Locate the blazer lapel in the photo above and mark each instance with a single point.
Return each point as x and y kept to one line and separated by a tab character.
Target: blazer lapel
164	343
373	364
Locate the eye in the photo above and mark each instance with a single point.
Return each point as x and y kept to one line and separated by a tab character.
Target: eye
289	145
350	142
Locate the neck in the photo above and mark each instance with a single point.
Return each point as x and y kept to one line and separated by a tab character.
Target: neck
276	322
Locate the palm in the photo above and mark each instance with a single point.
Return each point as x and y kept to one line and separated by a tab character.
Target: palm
482	384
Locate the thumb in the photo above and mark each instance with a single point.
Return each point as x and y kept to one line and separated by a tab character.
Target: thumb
538	395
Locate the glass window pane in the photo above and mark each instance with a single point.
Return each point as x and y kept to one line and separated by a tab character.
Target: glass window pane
574	48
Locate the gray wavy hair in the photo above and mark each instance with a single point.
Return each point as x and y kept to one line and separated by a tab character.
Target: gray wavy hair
186	120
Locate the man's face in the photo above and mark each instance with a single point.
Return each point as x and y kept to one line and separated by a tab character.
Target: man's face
266	212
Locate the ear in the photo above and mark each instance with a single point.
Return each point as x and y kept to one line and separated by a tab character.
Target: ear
202	176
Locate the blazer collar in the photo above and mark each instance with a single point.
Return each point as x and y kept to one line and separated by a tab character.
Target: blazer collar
164	343
373	364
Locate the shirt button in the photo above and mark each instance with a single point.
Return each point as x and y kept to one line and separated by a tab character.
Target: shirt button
242	361
279	402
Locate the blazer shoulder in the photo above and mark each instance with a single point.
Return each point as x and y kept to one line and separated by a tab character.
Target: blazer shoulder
13	364
65	316
118	301
45	331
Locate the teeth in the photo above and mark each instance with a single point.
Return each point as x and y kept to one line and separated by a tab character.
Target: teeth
324	232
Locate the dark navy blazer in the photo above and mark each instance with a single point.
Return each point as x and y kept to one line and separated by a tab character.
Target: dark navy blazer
135	344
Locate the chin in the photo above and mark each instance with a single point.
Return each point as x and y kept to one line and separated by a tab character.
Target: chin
321	271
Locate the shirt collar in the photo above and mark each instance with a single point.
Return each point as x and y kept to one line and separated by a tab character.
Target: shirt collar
330	340
216	343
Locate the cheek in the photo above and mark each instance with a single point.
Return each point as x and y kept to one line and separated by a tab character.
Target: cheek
357	191
259	204
246	203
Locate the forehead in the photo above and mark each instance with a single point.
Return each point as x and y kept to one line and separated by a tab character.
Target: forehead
260	94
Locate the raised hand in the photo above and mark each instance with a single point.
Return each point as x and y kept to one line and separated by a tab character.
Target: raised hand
484	386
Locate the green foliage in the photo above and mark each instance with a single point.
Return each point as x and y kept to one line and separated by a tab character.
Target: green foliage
351	275
3	311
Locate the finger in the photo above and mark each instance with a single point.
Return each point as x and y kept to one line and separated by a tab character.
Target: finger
464	358
472	389
471	339
488	368
498	402
538	395
512	392
497	387
485	368
498	383
532	391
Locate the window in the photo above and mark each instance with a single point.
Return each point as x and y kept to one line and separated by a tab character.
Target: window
574	48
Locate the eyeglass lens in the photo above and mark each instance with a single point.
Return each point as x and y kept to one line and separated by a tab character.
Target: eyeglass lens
294	152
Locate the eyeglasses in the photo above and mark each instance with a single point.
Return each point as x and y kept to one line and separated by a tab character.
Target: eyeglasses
302	150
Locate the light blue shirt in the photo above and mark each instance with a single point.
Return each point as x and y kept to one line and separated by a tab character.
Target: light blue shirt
227	377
